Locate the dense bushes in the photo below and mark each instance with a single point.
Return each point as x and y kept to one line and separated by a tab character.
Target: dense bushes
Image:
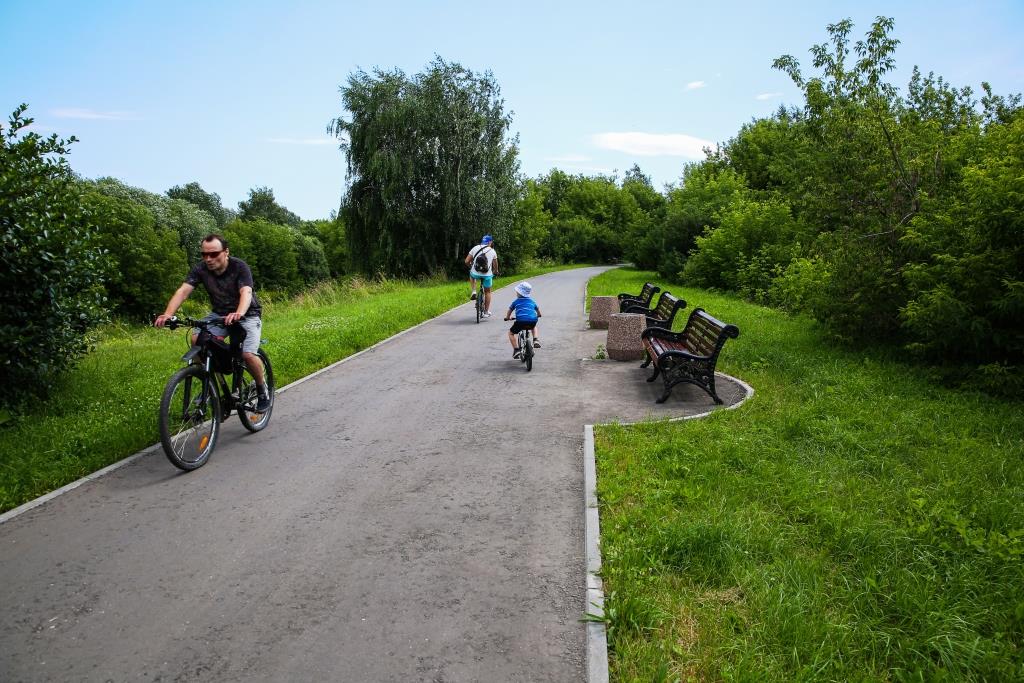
51	264
75	251
147	263
891	218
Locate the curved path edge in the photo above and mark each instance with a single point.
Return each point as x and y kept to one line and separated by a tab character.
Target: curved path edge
597	633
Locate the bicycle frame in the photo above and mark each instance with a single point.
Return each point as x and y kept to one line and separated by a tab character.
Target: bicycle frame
204	352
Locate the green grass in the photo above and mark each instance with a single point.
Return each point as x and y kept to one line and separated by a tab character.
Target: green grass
106	408
852	521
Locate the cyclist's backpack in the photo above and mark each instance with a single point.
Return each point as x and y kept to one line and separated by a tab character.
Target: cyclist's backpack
481	262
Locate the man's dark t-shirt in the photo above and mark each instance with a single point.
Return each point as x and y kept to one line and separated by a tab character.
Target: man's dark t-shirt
224	288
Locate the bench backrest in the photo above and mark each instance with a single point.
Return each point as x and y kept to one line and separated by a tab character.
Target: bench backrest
705	335
647	293
665	311
640	301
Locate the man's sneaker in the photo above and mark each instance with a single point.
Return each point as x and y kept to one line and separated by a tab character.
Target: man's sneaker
517	354
262	404
472	296
536	343
487	314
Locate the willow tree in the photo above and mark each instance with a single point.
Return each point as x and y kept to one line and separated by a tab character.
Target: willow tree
431	167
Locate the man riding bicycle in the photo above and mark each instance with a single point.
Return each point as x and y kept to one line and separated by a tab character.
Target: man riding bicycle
483	266
228	281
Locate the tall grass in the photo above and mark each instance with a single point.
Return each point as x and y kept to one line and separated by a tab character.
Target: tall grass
851	522
106	408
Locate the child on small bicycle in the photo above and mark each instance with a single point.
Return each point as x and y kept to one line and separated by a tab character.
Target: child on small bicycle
527	312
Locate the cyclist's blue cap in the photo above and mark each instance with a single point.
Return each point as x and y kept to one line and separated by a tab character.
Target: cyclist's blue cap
487	239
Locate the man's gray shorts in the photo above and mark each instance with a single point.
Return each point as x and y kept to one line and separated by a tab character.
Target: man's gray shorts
253	326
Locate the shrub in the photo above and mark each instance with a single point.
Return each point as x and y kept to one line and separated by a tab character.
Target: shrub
706	192
743	252
148	264
311	260
331	234
51	265
269	250
799	286
187	222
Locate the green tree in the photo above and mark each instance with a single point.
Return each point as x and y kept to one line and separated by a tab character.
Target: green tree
269	249
261	205
331	234
311	260
965	279
148	264
692	209
186	221
877	157
51	265
431	168
194	194
640	246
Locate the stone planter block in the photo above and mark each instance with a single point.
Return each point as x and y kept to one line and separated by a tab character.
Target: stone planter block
601	308
624	331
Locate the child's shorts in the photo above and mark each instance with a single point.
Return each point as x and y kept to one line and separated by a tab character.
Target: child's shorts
519	326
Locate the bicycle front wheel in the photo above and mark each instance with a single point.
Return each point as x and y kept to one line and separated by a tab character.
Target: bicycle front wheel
248	395
189	418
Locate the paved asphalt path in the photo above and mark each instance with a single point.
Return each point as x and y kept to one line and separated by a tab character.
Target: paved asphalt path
414	514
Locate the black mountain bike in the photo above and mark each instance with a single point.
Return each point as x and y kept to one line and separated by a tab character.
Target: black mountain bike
201	395
525	348
480	301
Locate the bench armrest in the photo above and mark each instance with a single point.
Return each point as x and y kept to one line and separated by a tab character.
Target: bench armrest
662	333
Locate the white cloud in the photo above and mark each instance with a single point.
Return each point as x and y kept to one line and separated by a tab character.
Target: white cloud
303	141
91	114
695	85
653	144
768	95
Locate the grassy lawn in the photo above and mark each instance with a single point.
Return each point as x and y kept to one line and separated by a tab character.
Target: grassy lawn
852	521
106	408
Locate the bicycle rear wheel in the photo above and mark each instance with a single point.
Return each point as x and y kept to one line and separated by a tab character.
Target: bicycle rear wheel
247	396
528	352
189	418
480	303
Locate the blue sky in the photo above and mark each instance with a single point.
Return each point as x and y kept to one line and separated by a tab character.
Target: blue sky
237	94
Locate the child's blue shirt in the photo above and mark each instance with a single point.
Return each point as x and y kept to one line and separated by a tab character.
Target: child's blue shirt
525	308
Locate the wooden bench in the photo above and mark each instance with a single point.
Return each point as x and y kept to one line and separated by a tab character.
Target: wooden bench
642	299
688	356
663	314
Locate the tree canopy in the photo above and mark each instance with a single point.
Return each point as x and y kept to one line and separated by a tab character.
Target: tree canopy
431	168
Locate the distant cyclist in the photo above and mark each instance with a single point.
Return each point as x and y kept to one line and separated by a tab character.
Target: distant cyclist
527	313
483	266
228	281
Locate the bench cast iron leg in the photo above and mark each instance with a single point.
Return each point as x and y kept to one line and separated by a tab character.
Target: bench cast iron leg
657	371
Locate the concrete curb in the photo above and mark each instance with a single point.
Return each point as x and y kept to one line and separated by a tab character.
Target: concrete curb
597	633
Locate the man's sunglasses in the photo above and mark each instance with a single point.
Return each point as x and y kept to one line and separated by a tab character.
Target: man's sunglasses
212	254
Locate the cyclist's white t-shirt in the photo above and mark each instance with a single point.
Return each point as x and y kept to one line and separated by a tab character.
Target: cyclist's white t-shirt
490	254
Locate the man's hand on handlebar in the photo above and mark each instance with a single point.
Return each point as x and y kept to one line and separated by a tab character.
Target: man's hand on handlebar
232	318
161	320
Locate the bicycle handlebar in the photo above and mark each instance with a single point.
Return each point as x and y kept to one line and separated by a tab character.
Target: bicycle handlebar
174	322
